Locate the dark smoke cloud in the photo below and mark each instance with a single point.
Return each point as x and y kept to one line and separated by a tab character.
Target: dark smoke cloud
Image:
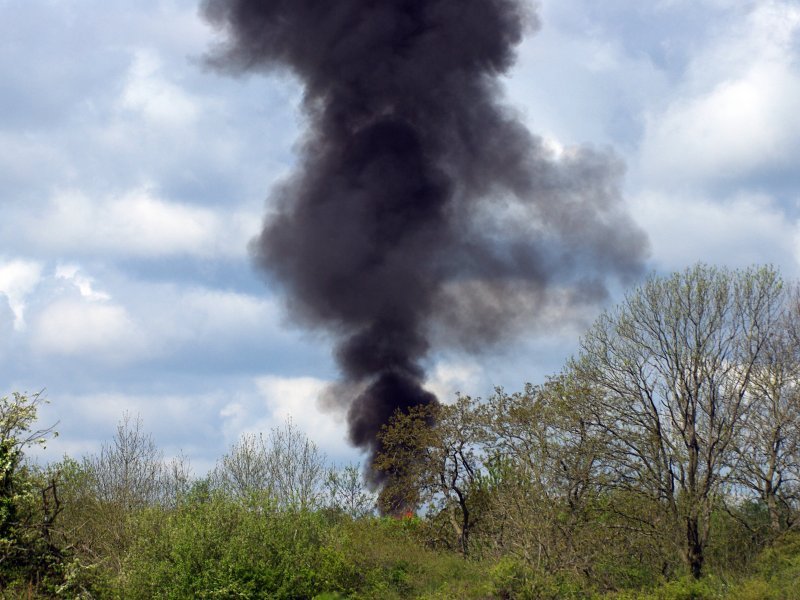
423	211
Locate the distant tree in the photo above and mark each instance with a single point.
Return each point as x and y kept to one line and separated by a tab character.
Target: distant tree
286	466
176	480
347	492
298	468
245	468
127	477
670	369
128	471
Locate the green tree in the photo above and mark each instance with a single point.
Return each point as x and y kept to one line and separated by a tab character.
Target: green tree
433	454
127	476
546	456
27	512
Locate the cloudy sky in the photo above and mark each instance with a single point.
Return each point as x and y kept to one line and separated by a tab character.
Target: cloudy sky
132	179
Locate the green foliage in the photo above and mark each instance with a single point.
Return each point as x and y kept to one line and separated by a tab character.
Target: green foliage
216	547
775	576
513	579
28	501
777	572
685	588
689	588
740	534
85	581
219	549
10	492
347	494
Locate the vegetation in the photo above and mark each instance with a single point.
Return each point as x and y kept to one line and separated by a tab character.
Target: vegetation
663	462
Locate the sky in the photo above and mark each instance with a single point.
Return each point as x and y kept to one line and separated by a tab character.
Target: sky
132	179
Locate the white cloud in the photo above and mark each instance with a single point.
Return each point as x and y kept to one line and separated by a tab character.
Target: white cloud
119	320
25	158
154	97
738	127
220	311
136	223
748	229
295	398
177	422
179	320
449	377
18	278
84	283
202	425
736	111
159	412
721	4
100	331
576	84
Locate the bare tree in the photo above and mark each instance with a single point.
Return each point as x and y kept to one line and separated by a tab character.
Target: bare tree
124	478
347	493
246	468
671	368
129	470
298	467
287	467
545	454
176	480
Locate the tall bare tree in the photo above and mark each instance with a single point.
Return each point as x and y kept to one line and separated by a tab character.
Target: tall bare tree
124	478
347	492
671	367
547	456
129	470
298	467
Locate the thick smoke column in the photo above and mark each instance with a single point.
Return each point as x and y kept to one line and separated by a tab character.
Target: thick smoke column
423	211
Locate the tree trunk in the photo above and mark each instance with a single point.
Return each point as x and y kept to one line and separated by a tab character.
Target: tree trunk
694	547
774	515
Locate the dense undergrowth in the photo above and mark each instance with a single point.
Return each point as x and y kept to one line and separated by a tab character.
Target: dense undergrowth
210	546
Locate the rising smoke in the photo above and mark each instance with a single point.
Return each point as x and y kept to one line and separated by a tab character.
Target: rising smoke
423	211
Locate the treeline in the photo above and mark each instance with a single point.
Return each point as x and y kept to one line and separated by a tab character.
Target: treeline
682	407
662	462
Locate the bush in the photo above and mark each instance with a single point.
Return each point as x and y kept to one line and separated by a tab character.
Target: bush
512	579
777	572
215	547
220	548
685	588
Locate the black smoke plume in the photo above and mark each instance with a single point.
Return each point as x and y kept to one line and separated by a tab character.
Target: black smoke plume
423	211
